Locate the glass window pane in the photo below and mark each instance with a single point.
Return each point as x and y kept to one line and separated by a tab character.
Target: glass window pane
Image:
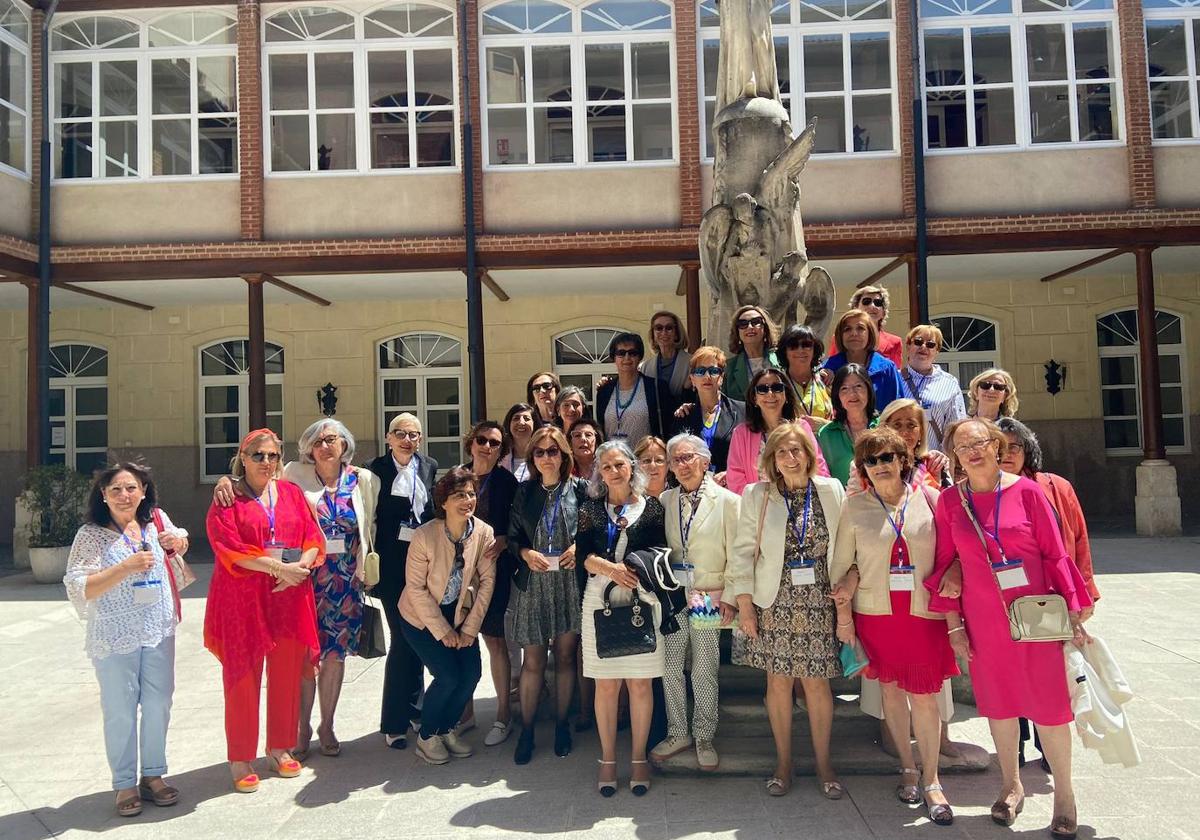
118	88
57	402
91	433
387	79
831	125
74	90
995	118
870	61
216	84
1093	51
783	66
1118	371
1166	48
334	79
75	150
274	398
441	424
221	430
12	138
1046	45
651	71
1172	400
91	401
944	58
441	391
389	140
400	393
1121	434
507	140
12	75
991	55
1095	112
946	119
1169	328
526	16
868	10
711	60
220	399
505	75
335	141
444	452
1049	114
289	144
553	135
172	149
652	139
604	66
217	460
1173	431
171	86
552	74
1119	402
710	148
1196	42
218	139
289	82
433	77
1169	369
89	462
118	145
822	63
606	133
435	138
872	123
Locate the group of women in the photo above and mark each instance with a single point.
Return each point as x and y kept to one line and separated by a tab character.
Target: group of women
824	507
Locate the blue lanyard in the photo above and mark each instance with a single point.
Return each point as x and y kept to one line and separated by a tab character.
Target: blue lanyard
549	526
898	527
128	542
613	529
621	409
269	510
686	528
331	502
995	532
803	532
708	432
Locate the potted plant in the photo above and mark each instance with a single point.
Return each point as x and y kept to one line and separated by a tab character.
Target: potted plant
55	496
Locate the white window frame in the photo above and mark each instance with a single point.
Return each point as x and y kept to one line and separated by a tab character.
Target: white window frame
359	46
1133	351
952	360
794	33
1190	15
1017	22
421	373
577	40
142	54
969	87
242	383
600	366
69	384
21	47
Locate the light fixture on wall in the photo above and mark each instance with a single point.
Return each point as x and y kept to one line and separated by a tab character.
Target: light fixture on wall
327	399
1056	377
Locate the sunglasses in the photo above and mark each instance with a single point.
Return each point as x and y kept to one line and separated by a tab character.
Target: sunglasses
988	386
711	370
548	452
924	342
773	388
543	386
801	345
626	351
491	443
746	323
881	458
399	435
664	328
871	301
269	457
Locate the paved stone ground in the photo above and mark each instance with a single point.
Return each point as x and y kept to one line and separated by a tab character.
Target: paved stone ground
54	780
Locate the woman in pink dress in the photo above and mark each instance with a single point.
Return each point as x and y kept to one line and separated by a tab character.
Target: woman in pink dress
1011	679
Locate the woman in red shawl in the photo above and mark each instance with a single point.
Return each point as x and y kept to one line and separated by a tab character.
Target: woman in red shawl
260	605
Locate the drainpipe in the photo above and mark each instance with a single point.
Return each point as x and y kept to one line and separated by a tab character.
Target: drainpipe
42	395
922	241
474	281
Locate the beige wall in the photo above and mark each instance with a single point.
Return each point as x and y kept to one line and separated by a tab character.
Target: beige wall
115	211
15	204
382	204
840	190
1026	182
1177	175
581	199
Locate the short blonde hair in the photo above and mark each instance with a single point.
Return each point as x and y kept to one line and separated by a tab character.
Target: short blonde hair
926	331
993	432
856	315
681	339
1008	408
708	352
873	290
251	445
897	406
784	433
405	417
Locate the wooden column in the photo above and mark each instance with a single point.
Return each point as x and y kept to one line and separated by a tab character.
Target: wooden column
914	291
1152	428
33	419
257	362
691	278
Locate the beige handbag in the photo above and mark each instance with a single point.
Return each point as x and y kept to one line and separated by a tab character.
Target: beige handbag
1031	618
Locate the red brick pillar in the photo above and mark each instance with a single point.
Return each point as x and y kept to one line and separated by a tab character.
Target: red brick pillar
1132	32
251	153
904	95
688	116
36	20
471	108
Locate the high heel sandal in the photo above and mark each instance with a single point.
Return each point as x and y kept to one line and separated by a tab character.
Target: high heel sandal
247	783
608	788
639	787
940	814
287	768
908	794
1005	814
1065	828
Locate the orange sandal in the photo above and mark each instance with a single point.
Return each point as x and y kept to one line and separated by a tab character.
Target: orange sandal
287	768
246	784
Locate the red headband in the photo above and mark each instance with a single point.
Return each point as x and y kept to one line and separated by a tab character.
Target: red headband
256	433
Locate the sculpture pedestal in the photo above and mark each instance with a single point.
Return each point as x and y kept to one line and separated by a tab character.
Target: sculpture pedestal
1156	506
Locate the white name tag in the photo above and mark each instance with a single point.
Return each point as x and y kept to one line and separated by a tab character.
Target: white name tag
804	575
901	581
275	552
335	545
146	592
686	577
552	561
406	533
1011	576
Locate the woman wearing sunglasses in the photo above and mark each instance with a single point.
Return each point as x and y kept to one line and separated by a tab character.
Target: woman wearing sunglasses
546	611
451	573
853	414
668	366
540	392
802	351
992	395
717	415
752	337
487	444
936	391
884	551
856	333
875	301
771	402
260	606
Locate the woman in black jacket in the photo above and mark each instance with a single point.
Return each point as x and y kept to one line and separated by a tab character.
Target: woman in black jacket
405	501
541	535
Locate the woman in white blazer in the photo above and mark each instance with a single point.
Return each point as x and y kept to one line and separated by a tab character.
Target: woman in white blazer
701	525
778	577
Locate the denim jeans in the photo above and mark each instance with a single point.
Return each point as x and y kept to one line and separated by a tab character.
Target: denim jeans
145	678
456	672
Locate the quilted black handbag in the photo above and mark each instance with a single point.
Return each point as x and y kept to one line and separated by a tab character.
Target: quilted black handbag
624	631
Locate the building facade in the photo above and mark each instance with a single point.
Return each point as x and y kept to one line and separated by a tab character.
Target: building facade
249	201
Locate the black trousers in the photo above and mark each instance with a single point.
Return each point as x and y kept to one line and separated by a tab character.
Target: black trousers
455	674
403	677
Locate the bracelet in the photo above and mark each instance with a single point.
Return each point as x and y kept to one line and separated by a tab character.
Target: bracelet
953	630
846	624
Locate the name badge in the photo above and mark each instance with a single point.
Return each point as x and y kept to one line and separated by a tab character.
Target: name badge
685	575
335	545
146	592
406	533
1011	574
804	573
901	579
552	560
277	551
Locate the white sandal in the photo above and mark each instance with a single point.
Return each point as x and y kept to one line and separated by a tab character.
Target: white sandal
497	735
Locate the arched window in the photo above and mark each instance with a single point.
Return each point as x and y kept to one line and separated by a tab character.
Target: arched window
14	86
581	357
1120	380
225	404
577	83
422	373
970	346
79	406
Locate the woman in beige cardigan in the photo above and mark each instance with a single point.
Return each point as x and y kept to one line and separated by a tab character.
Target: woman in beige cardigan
884	550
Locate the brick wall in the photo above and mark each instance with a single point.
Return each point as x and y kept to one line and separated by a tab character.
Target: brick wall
250	121
1138	134
36	45
688	116
904	96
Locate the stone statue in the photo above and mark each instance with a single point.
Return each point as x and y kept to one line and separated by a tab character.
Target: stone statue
752	240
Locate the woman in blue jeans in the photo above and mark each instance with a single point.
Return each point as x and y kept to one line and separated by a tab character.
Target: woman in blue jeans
117	579
449	580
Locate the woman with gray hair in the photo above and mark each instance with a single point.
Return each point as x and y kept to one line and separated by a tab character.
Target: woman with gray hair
618	519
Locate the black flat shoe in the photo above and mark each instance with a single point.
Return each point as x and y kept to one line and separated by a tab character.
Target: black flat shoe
562	740
524	751
396	742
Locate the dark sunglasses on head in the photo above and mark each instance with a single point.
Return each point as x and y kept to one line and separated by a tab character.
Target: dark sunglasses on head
746	323
881	458
543	386
270	457
871	301
924	342
487	441
773	388
987	386
548	452
711	370
626	351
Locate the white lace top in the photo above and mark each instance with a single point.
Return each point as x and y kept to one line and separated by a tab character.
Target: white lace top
115	623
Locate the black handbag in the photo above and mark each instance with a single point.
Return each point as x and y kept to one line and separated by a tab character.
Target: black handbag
371	642
624	631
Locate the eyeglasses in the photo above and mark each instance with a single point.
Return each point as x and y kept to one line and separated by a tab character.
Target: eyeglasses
881	458
924	342
491	443
656	461
543	386
463	496
988	386
973	446
400	434
747	323
711	370
127	489
270	457
1015	449
684	458
328	440
622	352
871	301
801	345
664	328
773	388
548	452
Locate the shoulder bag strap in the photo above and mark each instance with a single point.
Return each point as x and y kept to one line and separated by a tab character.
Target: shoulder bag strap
158	525
912	389
962	498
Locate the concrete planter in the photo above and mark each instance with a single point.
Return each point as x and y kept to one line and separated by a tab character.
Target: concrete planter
49	564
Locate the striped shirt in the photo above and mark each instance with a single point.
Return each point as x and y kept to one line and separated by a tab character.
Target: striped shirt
939	394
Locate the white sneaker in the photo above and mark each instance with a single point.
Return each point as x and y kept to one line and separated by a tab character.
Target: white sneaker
706	756
669	746
466	726
432	750
456	746
498	734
